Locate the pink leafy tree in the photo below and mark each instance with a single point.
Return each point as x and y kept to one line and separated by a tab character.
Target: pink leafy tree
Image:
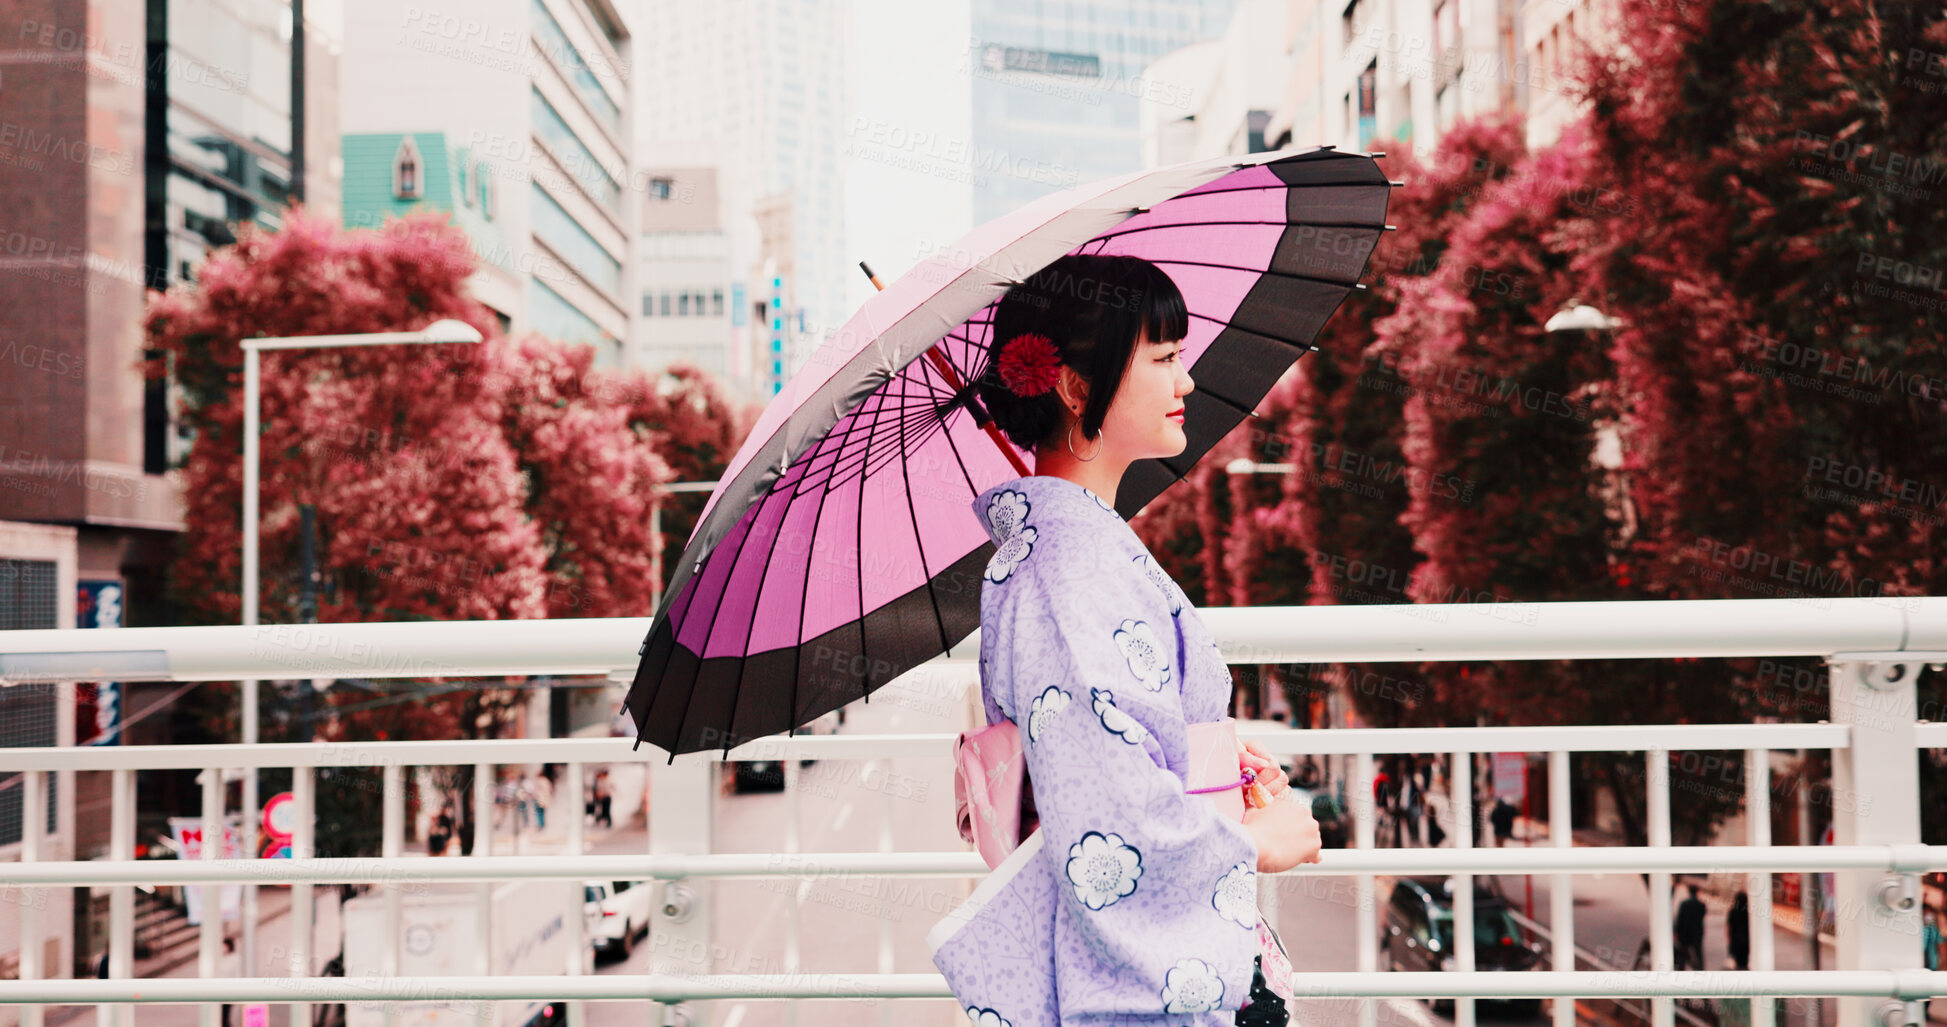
504	480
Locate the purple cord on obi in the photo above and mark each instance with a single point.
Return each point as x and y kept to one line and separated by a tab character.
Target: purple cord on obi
1250	776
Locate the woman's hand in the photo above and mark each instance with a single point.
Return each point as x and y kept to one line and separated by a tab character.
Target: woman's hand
1271	778
1286	834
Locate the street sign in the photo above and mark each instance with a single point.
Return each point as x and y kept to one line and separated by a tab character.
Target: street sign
280	816
1511	776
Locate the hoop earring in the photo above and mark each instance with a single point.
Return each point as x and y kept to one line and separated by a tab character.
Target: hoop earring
1072	425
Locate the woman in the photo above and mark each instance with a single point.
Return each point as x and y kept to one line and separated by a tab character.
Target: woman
1134	902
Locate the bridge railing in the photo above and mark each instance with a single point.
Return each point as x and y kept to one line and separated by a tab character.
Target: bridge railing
1874	649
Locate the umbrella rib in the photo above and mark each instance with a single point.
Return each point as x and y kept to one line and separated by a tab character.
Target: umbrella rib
958	459
1293	275
1207	224
1305	347
858	544
1281	186
804	596
763	579
919	538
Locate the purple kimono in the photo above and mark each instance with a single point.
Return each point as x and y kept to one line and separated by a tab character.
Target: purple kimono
1133	903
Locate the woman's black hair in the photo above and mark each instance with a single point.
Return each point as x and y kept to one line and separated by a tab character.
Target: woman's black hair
1094	309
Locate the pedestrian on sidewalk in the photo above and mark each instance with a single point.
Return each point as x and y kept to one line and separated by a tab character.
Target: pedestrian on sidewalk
1737	923
441	835
543	798
1689	931
230	965
604	798
1415	807
523	796
1503	818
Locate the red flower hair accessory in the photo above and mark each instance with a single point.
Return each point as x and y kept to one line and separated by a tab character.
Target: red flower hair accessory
1029	364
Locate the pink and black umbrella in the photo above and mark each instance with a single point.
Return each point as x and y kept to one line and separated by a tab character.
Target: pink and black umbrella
841	549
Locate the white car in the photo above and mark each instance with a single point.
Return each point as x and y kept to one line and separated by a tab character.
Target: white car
618	913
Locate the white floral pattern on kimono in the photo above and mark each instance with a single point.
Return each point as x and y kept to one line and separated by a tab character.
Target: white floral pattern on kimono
1127	906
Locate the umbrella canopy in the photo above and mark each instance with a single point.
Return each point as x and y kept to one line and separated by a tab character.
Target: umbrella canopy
840	549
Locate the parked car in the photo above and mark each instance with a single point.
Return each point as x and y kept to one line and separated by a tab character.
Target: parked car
1417	934
768	775
618	912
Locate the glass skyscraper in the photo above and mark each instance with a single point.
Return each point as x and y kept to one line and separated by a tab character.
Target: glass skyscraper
1056	89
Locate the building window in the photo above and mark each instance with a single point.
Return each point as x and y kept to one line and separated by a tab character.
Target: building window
716	303
659	188
406	170
648	304
568	239
665	304
573	154
682	304
554	42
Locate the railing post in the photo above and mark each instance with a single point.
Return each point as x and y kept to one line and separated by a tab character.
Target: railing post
682	797
1365	814
121	900
579	955
1656	782
1463	884
33	824
1757	813
884	767
1561	897
304	793
483	845
207	958
1876	801
392	844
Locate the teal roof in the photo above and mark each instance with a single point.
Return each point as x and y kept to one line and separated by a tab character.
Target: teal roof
367	188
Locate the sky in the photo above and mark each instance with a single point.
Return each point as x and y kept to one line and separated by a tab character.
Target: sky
910	75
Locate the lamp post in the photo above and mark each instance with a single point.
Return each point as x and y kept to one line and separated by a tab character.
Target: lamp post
1246	465
443	331
656	534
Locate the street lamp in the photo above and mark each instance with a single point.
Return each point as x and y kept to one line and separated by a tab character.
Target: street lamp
1576	316
447	330
1246	465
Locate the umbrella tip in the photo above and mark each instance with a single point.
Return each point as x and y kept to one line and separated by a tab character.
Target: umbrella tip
1375	153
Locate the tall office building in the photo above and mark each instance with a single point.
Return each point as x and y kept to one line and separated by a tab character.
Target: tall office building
514	119
134	138
1358	70
692	306
1235	82
757	89
1057	89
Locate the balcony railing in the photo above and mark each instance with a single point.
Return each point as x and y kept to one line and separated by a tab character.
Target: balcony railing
1874	649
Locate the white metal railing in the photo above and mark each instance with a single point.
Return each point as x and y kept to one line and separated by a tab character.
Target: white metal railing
1872	647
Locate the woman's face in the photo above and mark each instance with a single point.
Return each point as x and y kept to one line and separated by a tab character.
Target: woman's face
1146	417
